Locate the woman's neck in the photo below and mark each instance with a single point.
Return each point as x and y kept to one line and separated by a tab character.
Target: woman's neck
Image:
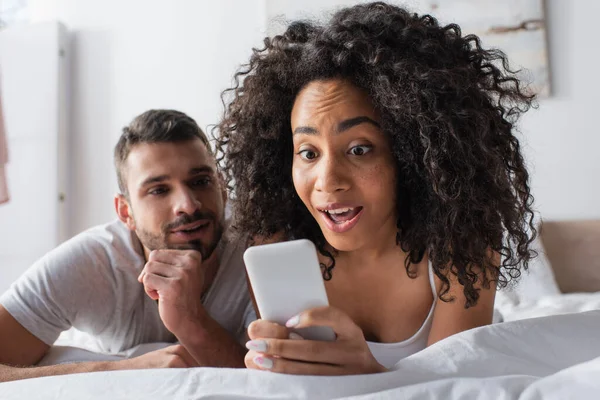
380	250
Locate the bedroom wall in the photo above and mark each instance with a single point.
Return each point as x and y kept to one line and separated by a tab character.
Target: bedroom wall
130	56
134	55
561	138
33	70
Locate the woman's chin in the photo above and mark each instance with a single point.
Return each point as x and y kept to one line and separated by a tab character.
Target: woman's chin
344	243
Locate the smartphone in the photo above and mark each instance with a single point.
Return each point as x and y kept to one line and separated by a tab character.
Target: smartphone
286	280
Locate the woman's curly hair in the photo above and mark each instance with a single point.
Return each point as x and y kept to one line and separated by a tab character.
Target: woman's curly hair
449	107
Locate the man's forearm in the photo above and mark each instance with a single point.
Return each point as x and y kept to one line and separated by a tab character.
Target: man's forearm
211	345
10	373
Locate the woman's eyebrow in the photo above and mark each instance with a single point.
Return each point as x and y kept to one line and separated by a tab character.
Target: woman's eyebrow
342	126
352	122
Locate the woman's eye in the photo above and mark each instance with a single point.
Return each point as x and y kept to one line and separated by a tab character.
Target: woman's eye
360	150
307	154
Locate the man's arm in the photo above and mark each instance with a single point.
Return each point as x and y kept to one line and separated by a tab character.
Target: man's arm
176	279
10	373
175	356
211	345
17	345
22	349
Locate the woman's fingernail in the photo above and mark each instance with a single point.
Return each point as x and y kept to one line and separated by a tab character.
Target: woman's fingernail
263	362
293	321
257	345
295	336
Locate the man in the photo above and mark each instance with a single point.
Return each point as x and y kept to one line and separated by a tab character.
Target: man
163	272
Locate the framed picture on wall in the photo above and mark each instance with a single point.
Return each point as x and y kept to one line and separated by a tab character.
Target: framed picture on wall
517	27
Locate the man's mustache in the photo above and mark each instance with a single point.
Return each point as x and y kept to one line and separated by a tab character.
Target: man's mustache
189	219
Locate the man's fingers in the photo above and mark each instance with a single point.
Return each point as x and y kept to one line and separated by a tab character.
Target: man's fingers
264	329
160	269
157	268
176	257
153	284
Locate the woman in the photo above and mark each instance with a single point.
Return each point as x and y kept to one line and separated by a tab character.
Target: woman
388	140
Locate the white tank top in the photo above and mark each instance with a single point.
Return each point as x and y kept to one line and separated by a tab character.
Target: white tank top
388	354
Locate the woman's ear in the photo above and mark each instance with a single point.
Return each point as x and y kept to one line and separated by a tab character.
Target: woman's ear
124	211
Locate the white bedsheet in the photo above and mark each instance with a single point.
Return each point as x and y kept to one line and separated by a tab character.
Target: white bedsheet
555	357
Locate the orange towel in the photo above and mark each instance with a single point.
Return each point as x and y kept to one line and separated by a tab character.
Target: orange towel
3	160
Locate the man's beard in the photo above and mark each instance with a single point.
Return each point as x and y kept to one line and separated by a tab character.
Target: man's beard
159	241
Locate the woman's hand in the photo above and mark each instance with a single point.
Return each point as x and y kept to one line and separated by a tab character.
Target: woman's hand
276	348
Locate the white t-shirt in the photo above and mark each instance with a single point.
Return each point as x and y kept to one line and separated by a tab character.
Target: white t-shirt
90	283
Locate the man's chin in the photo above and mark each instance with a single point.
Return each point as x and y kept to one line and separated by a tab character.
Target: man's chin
205	245
205	250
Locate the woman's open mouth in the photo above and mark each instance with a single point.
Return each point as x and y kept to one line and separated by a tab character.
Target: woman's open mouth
340	219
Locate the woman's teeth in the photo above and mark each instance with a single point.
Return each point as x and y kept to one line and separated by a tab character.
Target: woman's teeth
341	215
339	211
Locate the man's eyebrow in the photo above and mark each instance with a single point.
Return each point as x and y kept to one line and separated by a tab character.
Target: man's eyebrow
205	169
154	179
342	126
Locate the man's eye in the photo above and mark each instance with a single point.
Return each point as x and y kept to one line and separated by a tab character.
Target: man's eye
360	150
307	154
202	181
158	191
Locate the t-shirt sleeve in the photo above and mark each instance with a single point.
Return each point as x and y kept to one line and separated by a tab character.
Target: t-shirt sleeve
62	289
249	316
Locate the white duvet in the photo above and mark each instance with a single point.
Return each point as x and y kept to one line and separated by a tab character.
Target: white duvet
556	357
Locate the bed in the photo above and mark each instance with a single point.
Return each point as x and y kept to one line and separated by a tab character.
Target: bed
547	347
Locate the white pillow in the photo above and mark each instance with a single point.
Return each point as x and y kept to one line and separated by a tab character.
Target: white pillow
538	281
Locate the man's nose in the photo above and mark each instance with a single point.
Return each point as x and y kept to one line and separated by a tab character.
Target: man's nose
186	203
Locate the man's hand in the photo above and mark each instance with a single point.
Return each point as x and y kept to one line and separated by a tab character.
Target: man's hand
176	279
175	356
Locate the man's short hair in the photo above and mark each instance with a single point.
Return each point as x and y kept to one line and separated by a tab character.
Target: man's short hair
155	126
